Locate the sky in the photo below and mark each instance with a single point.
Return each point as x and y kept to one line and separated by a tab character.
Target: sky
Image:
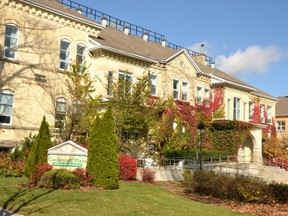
246	38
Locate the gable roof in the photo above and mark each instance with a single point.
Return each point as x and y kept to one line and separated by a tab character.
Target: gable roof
60	9
116	39
282	106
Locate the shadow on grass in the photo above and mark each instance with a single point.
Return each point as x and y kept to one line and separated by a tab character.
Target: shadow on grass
23	197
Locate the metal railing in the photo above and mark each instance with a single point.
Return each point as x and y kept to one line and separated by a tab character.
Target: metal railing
120	24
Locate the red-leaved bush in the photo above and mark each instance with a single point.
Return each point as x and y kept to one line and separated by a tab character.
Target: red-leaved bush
128	167
82	176
40	169
148	175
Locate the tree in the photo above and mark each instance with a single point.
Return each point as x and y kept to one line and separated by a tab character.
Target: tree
103	152
38	152
82	107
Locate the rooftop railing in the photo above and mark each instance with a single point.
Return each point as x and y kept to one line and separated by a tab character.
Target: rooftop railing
120	24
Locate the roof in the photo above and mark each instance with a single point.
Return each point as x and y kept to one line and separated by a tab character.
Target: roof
115	38
56	7
227	77
282	106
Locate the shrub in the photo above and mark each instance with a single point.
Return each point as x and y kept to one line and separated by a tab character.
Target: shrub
103	152
148	175
128	167
82	176
40	169
279	192
10	168
59	179
241	188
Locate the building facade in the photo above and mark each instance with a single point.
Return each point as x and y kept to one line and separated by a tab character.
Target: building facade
282	117
41	38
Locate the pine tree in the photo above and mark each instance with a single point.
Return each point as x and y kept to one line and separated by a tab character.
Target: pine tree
103	152
38	152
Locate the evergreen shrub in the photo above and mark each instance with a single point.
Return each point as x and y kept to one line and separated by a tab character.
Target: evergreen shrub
59	179
128	167
40	169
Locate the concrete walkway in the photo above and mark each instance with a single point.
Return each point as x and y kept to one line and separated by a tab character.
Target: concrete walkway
4	212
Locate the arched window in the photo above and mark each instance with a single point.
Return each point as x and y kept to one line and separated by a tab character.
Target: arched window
11	41
64	54
6	107
60	112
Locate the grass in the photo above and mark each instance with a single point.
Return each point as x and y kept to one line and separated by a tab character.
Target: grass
133	198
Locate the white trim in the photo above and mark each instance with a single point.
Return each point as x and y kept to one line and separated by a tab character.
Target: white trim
77	19
11	117
84	150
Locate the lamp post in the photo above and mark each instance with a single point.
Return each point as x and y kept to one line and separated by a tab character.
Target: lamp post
201	127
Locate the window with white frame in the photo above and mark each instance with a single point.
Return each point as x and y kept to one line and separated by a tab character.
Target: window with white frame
280	125
176	89
60	112
64	54
81	54
244	111
269	114
11	41
251	110
236	109
228	108
153	84
184	90
110	85
199	94
125	82
262	111
6	107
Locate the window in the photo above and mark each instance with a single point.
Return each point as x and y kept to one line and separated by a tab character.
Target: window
228	108
110	85
262	110
60	113
175	89
236	109
244	111
269	114
280	125
153	84
199	94
81	52
184	90
125	82
64	54
11	41
6	107
251	110
207	97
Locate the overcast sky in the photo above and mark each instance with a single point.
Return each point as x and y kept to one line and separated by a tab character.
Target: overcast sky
247	38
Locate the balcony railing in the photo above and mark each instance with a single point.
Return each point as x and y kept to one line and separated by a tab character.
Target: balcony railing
120	24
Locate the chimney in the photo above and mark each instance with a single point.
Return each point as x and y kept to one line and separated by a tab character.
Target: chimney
212	64
145	36
202	49
163	42
104	21
126	30
79	10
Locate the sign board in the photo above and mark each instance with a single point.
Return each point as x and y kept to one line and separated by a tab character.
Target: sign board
67	155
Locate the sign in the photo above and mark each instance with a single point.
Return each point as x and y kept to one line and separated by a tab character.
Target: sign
67	155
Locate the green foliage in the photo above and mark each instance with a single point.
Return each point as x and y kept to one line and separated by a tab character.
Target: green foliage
228	136
59	179
38	152
170	152
133	117
10	168
22	153
82	106
102	161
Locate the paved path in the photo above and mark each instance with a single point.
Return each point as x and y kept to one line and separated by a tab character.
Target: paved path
4	212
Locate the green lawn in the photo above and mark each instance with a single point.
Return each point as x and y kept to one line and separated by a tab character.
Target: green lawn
133	198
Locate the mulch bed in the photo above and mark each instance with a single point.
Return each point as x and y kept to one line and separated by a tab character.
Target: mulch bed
253	209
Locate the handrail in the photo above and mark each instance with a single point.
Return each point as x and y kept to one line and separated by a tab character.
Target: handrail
120	24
